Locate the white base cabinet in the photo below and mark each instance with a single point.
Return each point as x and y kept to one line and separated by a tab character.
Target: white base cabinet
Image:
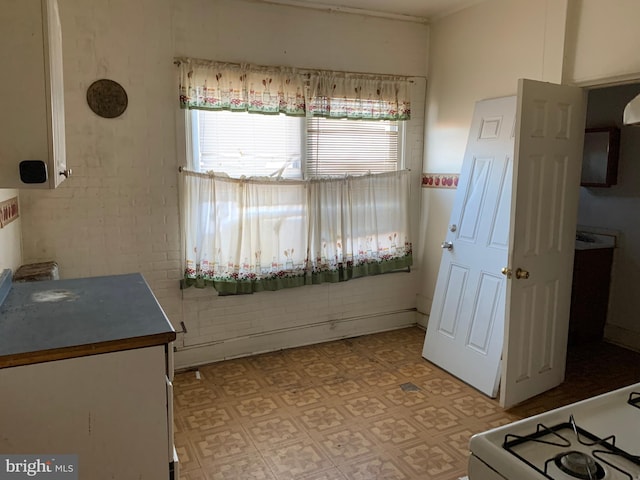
113	410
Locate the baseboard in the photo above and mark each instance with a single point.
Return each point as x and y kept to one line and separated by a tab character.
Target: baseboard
292	337
622	336
422	319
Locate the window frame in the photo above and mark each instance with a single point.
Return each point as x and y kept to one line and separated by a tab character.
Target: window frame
193	141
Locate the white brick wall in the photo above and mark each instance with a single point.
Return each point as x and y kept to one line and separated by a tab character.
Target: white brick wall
118	213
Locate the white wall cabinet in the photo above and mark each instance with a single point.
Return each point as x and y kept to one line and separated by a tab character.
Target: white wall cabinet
112	410
31	93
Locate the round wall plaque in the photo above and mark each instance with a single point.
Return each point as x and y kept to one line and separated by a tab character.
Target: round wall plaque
107	98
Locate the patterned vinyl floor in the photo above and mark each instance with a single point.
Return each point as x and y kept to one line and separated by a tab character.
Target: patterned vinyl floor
366	408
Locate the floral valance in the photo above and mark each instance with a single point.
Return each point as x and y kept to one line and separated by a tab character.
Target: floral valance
210	85
345	95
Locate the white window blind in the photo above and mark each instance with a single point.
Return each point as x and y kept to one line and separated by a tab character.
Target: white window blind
241	143
353	147
244	144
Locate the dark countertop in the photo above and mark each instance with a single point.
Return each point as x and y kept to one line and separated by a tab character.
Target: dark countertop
57	319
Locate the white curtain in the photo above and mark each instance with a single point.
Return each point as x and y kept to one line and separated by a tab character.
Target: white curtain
248	235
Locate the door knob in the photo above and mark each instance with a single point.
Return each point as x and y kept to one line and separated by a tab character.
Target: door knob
520	273
447	245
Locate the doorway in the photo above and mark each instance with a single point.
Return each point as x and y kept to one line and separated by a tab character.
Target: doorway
613	210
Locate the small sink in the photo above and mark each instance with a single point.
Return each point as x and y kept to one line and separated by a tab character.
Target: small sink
588	241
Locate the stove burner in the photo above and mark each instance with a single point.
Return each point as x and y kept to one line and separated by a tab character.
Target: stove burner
573	451
579	465
634	399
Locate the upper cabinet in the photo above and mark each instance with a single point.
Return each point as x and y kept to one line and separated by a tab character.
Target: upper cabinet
600	157
32	137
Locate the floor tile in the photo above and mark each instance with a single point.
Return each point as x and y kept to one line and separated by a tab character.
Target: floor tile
247	467
393	430
429	460
376	467
322	418
268	432
214	445
346	444
295	460
331	474
205	418
367	408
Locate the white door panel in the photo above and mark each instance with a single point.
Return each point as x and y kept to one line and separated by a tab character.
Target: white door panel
515	207
466	324
548	152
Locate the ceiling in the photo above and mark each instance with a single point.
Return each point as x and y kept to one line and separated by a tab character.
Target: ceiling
420	9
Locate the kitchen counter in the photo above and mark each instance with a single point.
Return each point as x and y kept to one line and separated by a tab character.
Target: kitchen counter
59	319
594	241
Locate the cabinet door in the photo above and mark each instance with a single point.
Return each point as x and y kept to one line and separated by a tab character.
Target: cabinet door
109	409
31	91
54	93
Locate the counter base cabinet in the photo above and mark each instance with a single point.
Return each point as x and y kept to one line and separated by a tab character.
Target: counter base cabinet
109	409
590	294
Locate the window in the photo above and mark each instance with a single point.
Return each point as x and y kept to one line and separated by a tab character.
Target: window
307	184
249	144
241	143
354	147
248	235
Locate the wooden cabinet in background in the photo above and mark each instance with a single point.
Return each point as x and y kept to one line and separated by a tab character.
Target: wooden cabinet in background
600	157
590	294
32	95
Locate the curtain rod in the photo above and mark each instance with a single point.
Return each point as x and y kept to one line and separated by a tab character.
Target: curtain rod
179	60
282	180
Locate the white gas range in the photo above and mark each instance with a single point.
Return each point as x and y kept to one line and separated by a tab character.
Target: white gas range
597	438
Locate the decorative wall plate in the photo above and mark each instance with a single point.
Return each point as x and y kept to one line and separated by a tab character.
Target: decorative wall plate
107	98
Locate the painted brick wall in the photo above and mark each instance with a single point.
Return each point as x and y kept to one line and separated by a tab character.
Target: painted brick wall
118	213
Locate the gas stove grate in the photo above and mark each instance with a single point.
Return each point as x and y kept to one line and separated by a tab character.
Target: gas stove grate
634	399
512	440
604	447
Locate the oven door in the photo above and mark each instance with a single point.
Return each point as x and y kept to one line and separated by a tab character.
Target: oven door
478	470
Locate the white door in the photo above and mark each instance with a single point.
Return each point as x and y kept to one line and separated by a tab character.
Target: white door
548	159
527	218
466	325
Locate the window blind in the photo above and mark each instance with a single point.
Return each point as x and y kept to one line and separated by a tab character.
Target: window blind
352	147
241	143
245	144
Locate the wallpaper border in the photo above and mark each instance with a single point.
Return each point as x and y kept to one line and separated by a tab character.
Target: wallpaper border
440	180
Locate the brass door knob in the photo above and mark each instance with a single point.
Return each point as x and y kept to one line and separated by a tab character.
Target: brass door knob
522	274
506	271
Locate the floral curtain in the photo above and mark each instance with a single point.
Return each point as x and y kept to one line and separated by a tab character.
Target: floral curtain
345	95
242	87
244	236
223	86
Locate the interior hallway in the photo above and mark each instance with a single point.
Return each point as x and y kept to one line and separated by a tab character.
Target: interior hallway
364	408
